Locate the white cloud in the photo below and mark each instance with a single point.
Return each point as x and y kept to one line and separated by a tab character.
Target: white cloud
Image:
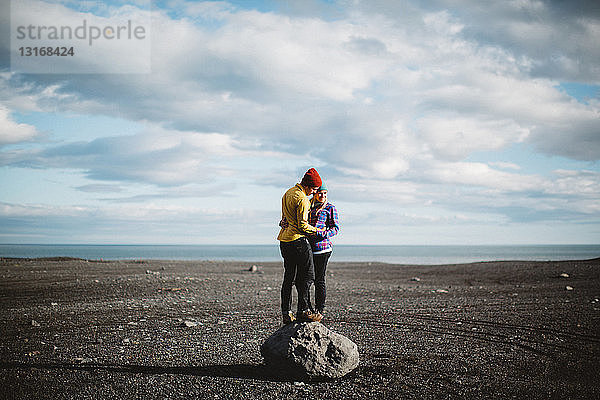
137	223
40	210
306	56
100	188
276	77
585	184
559	38
156	155
480	174
14	132
454	138
47	24
442	23
505	165
389	99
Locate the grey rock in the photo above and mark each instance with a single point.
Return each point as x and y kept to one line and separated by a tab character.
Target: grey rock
309	350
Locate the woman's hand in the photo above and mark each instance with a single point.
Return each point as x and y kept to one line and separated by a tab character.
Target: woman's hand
283	223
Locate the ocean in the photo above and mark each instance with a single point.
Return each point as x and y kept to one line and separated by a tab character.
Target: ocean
429	255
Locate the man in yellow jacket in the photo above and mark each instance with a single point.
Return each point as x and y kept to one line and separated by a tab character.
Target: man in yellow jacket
295	248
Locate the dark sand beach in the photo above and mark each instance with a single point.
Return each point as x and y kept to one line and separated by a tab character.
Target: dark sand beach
77	329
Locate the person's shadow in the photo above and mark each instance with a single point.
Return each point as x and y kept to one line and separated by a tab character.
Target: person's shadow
242	371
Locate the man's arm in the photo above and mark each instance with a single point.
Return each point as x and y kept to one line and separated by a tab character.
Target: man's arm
302	217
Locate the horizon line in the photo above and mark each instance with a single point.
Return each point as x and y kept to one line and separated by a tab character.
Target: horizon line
276	244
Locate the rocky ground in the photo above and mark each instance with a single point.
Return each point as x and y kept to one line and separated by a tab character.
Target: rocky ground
77	329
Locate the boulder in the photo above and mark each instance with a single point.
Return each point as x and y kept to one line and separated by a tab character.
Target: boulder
309	350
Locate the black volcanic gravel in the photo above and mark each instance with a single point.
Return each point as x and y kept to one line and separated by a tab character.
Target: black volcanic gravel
77	329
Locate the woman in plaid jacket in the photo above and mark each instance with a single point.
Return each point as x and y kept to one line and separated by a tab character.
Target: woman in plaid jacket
322	215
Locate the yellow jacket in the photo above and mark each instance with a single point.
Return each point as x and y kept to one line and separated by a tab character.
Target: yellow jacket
295	206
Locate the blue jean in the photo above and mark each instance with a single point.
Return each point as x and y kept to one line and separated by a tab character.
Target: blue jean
299	268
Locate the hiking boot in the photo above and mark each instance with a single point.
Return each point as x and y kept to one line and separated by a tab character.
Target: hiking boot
288	317
309	316
320	312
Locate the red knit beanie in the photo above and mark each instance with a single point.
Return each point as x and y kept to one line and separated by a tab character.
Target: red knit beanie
311	179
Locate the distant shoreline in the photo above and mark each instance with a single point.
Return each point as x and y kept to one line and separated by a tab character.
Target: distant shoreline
406	254
237	262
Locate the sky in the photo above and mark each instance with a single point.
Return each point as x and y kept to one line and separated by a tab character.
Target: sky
431	122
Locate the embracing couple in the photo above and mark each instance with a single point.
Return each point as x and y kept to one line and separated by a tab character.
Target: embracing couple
304	240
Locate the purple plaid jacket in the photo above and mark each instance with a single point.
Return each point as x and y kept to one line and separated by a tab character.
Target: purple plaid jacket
327	219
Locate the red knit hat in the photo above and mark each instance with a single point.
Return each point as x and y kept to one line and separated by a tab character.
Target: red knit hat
311	179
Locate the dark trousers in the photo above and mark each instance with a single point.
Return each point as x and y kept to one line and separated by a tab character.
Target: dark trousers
320	261
298	266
